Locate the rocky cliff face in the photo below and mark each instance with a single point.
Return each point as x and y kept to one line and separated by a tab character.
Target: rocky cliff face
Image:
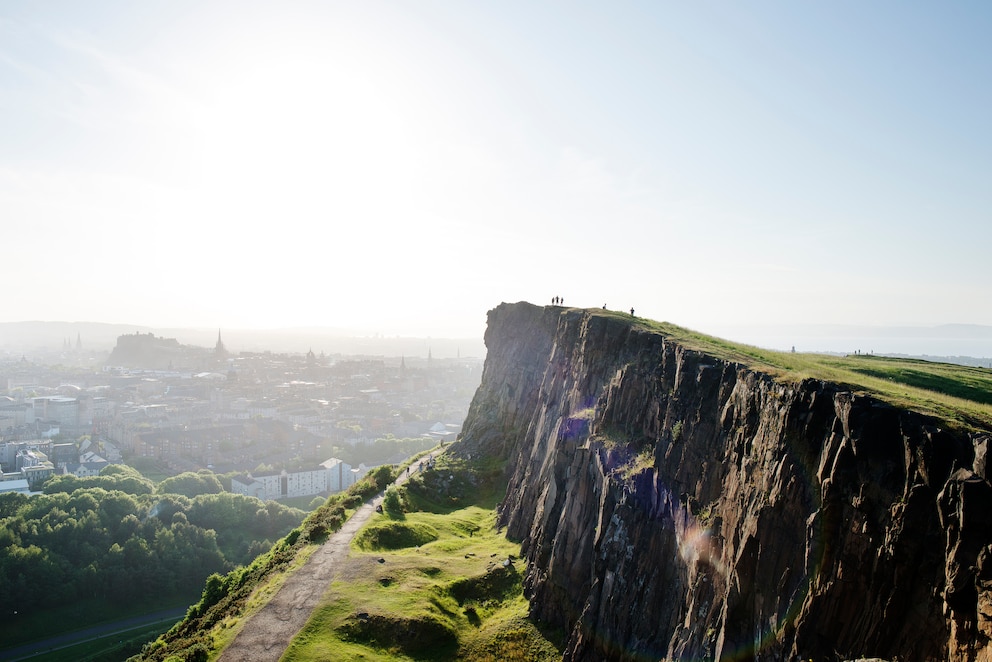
673	505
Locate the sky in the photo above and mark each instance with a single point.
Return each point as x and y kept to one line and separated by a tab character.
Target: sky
403	167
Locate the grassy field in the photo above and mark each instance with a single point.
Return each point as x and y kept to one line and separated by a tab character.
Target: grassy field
433	580
959	395
38	627
111	648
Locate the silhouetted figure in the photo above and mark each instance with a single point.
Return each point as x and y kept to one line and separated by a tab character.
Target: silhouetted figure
631	312
604	306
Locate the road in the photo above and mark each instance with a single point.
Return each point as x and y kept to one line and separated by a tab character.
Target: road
123	626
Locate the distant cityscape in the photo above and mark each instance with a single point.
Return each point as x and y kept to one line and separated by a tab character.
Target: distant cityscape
154	402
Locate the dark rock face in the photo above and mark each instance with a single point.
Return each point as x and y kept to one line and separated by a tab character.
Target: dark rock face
673	505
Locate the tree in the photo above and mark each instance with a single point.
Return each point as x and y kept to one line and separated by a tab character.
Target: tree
191	484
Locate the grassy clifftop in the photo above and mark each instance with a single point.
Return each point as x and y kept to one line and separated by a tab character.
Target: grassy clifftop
432	578
959	395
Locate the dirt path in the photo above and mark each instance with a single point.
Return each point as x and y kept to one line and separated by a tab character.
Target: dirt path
266	635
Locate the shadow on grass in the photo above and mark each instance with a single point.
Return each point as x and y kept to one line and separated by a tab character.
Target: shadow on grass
454	484
951	384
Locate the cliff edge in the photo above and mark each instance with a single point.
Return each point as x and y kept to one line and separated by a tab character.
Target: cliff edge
672	504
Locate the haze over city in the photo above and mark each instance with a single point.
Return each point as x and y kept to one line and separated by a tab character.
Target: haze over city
400	168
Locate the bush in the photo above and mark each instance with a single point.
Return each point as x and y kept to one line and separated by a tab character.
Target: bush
392	503
497	584
395	535
411	635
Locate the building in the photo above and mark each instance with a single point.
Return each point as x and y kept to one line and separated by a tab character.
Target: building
9	451
34	467
330	476
63	454
14	485
13	414
341	475
58	408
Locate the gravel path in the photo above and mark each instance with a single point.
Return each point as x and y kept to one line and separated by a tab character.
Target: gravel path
266	635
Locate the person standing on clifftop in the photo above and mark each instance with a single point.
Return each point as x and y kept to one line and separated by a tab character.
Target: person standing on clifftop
631	312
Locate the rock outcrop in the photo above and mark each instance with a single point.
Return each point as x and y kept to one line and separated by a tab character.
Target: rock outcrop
674	505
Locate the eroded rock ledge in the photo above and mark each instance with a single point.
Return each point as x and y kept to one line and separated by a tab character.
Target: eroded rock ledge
674	505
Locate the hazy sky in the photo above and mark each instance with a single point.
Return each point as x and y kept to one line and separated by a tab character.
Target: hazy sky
402	167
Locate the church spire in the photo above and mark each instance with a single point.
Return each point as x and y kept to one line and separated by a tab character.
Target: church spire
219	349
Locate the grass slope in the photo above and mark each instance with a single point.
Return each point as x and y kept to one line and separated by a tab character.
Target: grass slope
961	396
227	601
430	582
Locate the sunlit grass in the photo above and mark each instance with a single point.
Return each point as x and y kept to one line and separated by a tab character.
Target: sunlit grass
451	598
224	631
25	628
116	646
961	396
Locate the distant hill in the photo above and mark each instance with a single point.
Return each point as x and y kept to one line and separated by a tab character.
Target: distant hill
21	337
33	336
950	342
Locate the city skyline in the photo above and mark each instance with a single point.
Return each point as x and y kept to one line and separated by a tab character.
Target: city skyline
401	170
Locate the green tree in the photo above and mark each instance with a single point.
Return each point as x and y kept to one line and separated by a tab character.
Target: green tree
191	484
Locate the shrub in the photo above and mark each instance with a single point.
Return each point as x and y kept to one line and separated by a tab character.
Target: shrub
395	535
410	635
392	503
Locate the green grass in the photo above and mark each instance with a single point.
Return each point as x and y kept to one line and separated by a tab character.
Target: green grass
961	396
452	597
228	600
395	535
110	648
84	614
223	632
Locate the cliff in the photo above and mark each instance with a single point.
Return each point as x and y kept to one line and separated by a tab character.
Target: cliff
676	505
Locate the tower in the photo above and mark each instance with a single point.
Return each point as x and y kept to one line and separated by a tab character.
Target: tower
219	349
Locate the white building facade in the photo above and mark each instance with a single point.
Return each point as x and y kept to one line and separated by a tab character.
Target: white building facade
330	476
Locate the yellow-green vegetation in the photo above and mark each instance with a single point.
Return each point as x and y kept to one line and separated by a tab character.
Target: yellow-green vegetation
586	414
227	600
437	582
631	457
959	395
224	630
116	646
644	459
395	535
